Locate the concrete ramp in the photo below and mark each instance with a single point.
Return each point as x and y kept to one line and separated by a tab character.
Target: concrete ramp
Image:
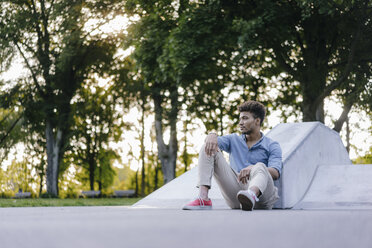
339	187
305	146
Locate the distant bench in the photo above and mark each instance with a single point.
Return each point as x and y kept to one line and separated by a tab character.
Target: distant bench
22	195
90	193
124	193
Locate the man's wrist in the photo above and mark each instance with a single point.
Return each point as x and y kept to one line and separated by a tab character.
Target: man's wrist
212	133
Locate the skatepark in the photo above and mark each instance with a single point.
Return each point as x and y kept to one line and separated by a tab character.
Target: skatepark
325	201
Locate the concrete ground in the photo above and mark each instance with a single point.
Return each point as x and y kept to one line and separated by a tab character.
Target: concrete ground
111	227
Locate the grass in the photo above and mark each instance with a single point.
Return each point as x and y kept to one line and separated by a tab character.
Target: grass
67	202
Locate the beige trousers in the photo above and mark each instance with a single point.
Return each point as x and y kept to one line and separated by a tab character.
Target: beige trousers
227	180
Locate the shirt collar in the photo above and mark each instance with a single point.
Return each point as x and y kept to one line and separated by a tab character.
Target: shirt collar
258	142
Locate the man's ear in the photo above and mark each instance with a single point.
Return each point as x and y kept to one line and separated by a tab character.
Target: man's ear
258	121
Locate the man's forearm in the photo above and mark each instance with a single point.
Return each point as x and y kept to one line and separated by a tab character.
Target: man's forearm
274	173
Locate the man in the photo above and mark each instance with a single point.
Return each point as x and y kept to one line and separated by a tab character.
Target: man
255	162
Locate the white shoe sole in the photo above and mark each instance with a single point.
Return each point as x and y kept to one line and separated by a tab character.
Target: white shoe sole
245	201
197	208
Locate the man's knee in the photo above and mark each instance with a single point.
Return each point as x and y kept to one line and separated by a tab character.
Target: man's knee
259	167
202	151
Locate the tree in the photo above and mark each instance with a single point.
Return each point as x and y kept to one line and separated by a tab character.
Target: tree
11	119
169	61
313	48
148	37
59	51
321	45
97	123
18	177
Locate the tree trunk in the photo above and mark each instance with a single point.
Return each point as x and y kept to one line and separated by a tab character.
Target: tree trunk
156	179
91	173
313	84
310	111
185	155
53	159
221	114
313	75
143	174
312	107
41	175
167	153
91	162
347	135
100	180
136	191
41	184
343	117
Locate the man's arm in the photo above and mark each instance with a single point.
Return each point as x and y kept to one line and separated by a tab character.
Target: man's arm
274	173
275	160
211	144
244	174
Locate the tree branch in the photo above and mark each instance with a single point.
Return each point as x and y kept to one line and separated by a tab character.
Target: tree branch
281	58
50	9
6	117
300	42
341	120
333	43
343	63
327	91
31	70
10	129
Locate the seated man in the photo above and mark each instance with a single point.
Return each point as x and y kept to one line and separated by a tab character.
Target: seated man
255	162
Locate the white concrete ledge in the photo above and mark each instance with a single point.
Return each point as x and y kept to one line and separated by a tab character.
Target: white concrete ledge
305	146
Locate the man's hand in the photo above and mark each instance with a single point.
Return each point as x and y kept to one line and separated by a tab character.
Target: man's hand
244	174
211	144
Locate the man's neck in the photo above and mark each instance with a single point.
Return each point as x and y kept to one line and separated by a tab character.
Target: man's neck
253	137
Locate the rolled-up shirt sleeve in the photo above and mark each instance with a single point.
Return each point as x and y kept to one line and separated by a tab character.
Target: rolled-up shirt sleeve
275	157
224	143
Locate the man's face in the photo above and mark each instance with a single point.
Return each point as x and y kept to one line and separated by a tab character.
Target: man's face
248	123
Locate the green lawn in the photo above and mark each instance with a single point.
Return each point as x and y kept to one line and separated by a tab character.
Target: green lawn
67	202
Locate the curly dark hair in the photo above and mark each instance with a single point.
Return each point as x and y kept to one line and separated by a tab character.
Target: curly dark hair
256	108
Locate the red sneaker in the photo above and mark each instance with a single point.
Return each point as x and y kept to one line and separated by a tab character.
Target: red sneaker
198	204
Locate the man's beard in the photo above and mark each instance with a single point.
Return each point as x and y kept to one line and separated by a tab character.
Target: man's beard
248	132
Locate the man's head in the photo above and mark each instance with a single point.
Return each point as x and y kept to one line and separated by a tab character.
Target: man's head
251	117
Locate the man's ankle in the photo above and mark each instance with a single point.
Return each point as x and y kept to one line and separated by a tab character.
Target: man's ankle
205	198
203	193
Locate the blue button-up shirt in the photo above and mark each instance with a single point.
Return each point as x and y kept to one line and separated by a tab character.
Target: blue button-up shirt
265	150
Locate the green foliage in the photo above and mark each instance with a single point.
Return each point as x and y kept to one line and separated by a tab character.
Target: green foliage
60	51
97	123
18	176
67	202
366	159
11	131
123	179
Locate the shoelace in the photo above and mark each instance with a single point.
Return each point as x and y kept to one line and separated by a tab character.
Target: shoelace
253	195
201	201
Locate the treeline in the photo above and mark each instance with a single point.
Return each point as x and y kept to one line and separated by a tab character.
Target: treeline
179	61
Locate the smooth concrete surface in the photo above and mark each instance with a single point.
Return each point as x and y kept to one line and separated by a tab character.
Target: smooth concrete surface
339	187
97	227
179	191
305	146
313	145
